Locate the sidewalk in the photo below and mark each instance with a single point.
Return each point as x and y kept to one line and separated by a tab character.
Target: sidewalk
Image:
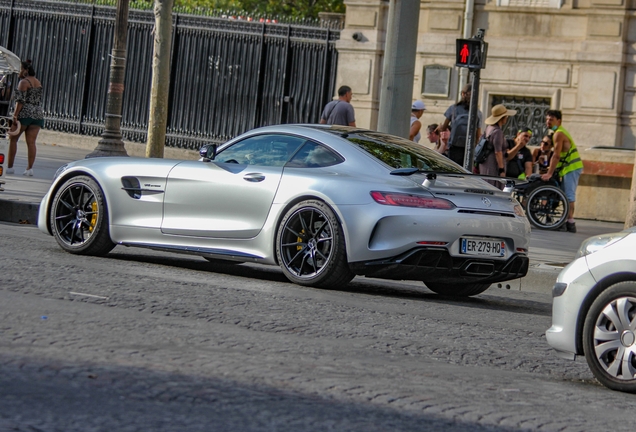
549	250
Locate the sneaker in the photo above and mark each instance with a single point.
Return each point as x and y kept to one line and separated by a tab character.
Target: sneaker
570	226
28	172
10	171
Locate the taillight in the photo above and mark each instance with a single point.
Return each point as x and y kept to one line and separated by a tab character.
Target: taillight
1	158
406	200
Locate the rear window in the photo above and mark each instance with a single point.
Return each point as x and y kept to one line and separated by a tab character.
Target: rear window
399	152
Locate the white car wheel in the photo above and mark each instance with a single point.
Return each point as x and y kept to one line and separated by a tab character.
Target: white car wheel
609	337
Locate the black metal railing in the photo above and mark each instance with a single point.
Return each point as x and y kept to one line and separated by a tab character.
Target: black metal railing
228	75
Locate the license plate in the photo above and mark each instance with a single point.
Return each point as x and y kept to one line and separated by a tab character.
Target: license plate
484	247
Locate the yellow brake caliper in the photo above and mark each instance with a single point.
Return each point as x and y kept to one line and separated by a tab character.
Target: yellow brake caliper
300	240
94	217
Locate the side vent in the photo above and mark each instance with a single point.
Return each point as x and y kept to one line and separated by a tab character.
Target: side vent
131	186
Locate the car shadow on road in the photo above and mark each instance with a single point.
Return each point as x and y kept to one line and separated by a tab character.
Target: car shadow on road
413	290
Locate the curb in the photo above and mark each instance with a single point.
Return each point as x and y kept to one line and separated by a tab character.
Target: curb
18	212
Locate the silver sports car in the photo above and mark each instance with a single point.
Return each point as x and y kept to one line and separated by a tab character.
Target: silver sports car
325	203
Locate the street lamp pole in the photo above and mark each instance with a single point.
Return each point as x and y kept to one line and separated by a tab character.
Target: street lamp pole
111	143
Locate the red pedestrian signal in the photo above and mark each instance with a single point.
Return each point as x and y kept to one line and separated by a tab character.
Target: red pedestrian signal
471	53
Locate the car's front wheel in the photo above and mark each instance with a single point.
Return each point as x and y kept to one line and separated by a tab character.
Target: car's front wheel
310	246
78	218
609	337
458	289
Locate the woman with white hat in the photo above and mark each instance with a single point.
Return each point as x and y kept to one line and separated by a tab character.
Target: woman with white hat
417	109
495	164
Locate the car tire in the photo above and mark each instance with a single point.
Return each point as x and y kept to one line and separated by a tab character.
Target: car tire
609	337
79	218
310	246
458	289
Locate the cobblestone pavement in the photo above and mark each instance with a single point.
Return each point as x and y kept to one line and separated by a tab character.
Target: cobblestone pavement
143	341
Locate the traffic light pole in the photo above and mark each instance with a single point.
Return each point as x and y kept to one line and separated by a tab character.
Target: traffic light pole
472	113
472	122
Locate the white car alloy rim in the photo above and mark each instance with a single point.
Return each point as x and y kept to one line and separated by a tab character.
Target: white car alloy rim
615	338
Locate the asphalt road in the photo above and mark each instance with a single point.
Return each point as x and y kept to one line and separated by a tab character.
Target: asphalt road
145	341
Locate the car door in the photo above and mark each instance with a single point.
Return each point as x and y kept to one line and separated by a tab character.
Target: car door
229	197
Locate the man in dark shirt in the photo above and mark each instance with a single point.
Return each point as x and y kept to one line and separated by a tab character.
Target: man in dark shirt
518	156
340	112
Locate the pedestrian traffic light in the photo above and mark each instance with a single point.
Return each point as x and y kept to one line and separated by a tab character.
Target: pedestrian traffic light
471	53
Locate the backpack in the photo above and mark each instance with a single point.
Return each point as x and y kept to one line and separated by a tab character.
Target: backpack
483	149
459	129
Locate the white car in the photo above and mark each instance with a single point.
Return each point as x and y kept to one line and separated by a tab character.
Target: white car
594	309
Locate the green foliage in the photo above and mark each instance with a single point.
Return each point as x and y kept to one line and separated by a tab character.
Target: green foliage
268	8
291	8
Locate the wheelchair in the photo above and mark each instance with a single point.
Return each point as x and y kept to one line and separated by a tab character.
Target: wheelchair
544	202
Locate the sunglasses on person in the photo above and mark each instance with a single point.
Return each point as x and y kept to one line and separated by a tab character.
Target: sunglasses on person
546	142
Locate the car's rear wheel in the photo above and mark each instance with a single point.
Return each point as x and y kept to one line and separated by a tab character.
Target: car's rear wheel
458	289
609	337
78	218
310	246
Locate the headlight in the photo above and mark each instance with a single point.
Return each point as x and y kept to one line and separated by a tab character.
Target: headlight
595	244
59	171
519	210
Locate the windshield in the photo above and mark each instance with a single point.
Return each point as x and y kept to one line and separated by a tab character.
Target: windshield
398	152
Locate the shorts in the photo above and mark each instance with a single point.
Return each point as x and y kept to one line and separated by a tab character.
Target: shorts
27	121
569	184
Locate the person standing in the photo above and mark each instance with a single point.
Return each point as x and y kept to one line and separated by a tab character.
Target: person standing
340	112
495	165
518	156
28	111
565	161
417	109
457	117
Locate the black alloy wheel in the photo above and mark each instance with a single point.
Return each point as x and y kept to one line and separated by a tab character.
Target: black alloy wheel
78	218
310	246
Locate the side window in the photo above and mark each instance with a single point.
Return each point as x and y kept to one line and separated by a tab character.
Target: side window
313	155
263	150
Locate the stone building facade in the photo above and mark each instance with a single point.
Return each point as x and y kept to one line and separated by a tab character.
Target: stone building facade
578	56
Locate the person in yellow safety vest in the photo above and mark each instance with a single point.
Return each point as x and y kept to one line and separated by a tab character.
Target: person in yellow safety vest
565	161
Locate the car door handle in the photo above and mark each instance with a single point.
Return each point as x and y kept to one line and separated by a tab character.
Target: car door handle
254	177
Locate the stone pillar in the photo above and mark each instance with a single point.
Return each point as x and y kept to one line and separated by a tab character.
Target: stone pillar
360	55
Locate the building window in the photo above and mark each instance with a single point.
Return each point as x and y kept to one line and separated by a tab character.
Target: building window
532	3
530	112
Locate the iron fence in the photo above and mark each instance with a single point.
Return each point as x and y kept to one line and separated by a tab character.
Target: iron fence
227	75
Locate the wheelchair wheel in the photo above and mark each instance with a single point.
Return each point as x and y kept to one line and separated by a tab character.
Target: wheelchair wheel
547	207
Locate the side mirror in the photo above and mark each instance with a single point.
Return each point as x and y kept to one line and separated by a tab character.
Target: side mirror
208	152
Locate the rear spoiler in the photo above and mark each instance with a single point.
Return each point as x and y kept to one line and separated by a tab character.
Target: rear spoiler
508	182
